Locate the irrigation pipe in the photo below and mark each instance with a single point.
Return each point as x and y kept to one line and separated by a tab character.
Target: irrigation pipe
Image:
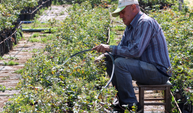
111	75
36	30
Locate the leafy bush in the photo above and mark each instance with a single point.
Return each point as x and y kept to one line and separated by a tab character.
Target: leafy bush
49	86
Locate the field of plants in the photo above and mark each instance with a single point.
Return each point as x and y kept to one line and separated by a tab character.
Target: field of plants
53	83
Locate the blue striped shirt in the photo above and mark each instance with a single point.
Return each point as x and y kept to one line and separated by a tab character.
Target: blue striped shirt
143	39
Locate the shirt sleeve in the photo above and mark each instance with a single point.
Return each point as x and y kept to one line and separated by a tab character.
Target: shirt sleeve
136	46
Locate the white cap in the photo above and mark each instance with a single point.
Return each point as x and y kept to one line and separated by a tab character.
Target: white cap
122	4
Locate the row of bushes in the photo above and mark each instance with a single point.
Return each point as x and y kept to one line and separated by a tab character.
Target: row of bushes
49	86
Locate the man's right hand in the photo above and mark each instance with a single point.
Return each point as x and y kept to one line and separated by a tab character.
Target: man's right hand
102	48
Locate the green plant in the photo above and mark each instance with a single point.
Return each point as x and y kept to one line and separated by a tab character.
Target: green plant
62	13
11	63
34	40
112	38
2	88
119	28
24	50
19	71
1	58
44	40
13	58
50	37
34	50
35	35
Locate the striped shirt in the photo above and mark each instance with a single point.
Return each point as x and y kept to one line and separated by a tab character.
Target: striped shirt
143	39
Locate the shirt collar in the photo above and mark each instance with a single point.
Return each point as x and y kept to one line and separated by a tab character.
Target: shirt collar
135	20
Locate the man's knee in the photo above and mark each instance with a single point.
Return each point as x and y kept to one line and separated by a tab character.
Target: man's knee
119	61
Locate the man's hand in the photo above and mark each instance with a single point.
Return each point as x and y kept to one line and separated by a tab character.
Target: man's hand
102	48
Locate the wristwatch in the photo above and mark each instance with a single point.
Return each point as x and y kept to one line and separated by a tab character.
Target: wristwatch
111	48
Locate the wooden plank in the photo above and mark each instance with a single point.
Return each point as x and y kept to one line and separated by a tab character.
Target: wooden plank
161	85
153	88
154	103
156	99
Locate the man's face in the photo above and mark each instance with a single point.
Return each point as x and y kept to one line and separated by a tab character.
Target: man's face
127	14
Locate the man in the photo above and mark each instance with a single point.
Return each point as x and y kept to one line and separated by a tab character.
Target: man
141	55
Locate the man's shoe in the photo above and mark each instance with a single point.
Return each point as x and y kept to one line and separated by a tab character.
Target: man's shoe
117	107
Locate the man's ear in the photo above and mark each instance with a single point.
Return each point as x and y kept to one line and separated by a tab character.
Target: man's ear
133	7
